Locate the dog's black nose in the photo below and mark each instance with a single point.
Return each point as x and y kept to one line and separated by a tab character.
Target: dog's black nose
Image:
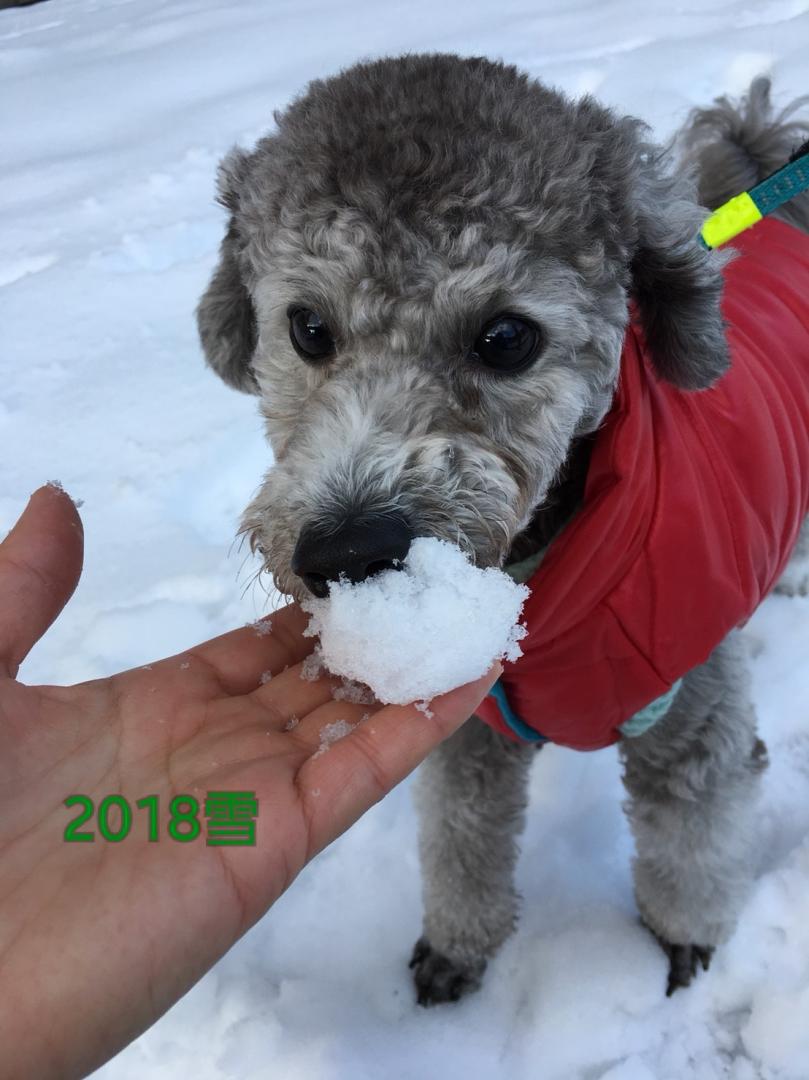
358	549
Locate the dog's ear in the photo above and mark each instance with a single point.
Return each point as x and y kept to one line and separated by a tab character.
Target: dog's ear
676	282
226	317
653	223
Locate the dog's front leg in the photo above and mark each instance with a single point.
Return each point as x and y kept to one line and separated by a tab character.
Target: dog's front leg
471	797
693	781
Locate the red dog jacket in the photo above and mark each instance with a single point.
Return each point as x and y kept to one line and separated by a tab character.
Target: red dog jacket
692	506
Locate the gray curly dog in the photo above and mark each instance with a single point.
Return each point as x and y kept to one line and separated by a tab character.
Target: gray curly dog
398	208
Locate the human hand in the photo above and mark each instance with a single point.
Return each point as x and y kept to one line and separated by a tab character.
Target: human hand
98	939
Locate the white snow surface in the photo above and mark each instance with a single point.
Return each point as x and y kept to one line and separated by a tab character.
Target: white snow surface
417	632
114	114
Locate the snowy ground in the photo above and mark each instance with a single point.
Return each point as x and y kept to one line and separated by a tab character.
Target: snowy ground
114	113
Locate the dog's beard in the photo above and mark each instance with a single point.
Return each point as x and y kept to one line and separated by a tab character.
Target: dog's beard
363	445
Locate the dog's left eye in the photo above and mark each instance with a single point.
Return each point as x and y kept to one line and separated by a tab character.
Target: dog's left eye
507	343
309	335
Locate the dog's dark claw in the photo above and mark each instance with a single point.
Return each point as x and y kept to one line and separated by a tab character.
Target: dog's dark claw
439	979
683	961
421	950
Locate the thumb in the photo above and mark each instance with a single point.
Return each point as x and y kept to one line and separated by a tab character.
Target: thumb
40	566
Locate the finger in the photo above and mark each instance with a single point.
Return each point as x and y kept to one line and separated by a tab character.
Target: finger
40	566
359	769
328	721
291	695
242	656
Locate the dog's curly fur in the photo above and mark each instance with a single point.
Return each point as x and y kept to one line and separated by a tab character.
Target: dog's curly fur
407	201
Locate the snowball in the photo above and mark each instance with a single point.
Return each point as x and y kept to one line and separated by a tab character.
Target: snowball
415	633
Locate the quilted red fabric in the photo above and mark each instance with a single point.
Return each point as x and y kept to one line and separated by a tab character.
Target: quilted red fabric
692	506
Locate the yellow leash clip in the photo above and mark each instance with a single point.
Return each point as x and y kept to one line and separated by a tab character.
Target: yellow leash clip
746	209
729	220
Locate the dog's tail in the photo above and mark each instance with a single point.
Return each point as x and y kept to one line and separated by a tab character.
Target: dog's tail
735	144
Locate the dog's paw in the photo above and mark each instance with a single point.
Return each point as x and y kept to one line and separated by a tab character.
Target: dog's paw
440	979
683	962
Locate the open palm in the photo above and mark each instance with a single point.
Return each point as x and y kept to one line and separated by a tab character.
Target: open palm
98	938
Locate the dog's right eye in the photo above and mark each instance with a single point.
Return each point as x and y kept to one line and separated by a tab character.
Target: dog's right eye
508	344
310	336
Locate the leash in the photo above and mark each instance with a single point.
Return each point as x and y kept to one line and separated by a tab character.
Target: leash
744	210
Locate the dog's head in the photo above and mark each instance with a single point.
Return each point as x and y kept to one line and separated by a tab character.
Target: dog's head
425	277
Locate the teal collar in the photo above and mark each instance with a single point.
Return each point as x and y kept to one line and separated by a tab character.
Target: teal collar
784	184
